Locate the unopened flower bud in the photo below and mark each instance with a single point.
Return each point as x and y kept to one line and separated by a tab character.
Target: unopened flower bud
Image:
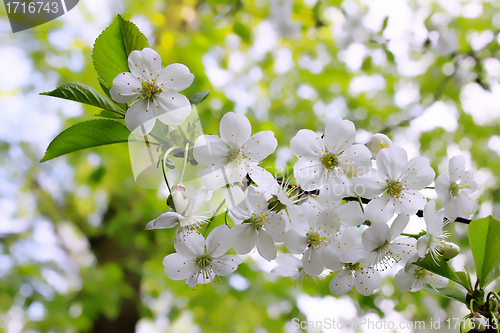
179	199
450	250
377	142
478	321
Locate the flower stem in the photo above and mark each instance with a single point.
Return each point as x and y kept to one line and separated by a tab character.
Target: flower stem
214	215
163	166
183	134
185	162
360	203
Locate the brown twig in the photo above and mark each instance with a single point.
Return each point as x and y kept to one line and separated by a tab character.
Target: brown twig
420	213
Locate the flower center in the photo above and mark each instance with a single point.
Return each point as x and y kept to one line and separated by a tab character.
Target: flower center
353	267
203	261
150	90
329	161
275	204
255	221
455	188
420	273
394	188
313	239
235	155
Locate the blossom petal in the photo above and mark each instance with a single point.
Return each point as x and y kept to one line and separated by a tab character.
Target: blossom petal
209	149
330	259
459	206
357	156
196	201
398	226
342	282
409	202
260	145
176	77
235	128
376	235
350	214
339	135
218	241
442	186
351	237
457	167
309	174
370	184
260	176
145	63
178	267
191	245
430	214
220	174
380	209
287	265
243	238
126	88
200	277
311	261
172	108
355	254
294	242
391	162
366	281
138	120
404	281
417	173
164	221
226	264
307	144
265	246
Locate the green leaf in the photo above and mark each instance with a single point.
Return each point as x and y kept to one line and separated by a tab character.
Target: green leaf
390	56
448	292
465	278
493	275
199	97
440	268
84	135
384	25
242	31
484	236
109	114
367	64
112	47
79	92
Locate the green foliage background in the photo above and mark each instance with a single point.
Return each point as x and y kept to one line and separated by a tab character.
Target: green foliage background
119	287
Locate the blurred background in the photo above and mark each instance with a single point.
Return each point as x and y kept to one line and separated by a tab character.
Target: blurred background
74	255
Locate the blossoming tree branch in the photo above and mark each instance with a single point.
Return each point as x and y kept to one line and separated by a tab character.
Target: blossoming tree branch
341	216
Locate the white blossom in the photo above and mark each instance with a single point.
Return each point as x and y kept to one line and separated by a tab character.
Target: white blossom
331	159
187	218
233	154
256	225
435	238
382	245
291	267
366	280
155	90
198	260
455	190
377	142
413	278
395	184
